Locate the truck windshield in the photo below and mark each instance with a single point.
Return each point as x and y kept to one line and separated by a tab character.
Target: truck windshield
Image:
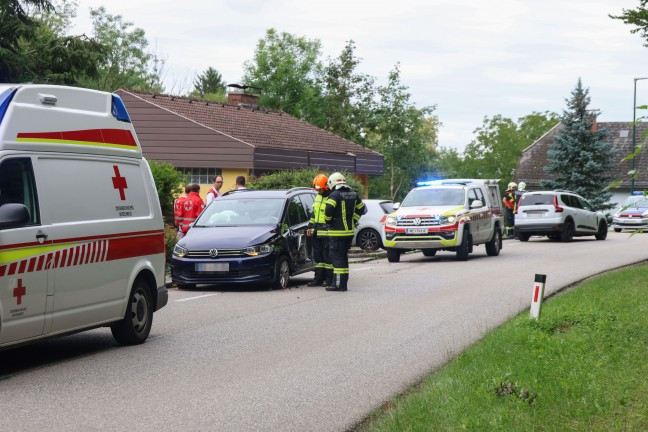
434	197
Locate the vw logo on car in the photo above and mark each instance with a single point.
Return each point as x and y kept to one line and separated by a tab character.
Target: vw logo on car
213	253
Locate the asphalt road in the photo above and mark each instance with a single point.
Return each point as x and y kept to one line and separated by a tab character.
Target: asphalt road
300	359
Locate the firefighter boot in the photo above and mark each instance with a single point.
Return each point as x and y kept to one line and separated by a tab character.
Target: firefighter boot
328	278
319	278
341	283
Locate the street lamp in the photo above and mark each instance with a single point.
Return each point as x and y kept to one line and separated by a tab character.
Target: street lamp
634	133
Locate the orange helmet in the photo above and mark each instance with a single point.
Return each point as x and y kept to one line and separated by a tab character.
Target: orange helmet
320	182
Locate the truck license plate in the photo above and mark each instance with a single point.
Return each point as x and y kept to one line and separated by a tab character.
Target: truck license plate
212	267
416	231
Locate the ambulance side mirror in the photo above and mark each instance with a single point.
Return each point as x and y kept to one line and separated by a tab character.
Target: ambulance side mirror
13	215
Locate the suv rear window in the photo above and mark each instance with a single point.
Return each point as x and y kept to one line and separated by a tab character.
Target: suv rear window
536	199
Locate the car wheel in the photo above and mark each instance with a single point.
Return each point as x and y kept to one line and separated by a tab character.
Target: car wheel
429	252
494	246
369	239
464	248
567	233
282	273
602	231
393	255
617	229
135	327
186	286
524	237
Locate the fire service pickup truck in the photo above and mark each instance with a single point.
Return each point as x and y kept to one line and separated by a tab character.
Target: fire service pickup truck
452	215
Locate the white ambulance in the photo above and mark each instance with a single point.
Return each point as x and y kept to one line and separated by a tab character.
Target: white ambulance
81	231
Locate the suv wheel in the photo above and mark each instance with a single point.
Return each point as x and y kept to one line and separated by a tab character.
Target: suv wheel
602	231
393	255
567	233
464	248
369	239
494	246
282	273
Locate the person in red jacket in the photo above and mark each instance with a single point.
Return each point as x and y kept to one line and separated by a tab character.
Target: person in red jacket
193	206
178	208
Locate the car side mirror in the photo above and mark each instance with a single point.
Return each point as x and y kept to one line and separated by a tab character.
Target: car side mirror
396	206
13	215
476	204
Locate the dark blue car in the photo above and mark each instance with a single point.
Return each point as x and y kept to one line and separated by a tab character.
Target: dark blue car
247	237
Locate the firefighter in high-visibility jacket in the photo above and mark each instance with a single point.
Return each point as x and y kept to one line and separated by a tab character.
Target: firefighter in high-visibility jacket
510	202
318	230
343	210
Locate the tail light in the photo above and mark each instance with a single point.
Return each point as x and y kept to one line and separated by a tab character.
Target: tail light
557	208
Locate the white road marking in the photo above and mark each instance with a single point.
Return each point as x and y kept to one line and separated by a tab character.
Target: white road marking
197	297
363	268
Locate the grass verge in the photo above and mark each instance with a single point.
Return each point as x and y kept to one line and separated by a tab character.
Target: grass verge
582	367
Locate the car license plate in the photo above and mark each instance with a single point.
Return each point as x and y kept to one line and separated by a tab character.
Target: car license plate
416	231
212	267
535	213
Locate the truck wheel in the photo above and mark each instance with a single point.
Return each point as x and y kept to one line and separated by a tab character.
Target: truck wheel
393	255
494	246
464	248
135	327
429	252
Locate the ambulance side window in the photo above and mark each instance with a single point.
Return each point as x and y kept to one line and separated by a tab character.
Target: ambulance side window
17	185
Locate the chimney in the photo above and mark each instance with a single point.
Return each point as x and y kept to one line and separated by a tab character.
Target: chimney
593	116
241	97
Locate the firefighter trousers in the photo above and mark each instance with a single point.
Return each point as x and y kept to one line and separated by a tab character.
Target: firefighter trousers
321	255
339	249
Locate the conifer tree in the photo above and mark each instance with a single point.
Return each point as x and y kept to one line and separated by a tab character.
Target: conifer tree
581	158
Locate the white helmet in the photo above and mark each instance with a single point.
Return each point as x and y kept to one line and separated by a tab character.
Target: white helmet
512	185
336	179
522	186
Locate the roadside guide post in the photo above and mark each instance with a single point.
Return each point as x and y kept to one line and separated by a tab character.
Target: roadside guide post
538	295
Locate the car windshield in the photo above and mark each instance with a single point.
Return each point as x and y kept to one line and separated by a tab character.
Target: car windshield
434	197
638	202
244	211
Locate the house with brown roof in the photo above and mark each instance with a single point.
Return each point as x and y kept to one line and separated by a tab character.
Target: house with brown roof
203	139
530	168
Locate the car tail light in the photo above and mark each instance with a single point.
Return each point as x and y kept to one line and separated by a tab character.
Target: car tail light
557	208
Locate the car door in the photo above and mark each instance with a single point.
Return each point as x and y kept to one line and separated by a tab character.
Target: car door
479	219
589	215
297	222
25	258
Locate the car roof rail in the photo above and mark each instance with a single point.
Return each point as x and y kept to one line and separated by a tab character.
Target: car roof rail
295	189
237	191
565	190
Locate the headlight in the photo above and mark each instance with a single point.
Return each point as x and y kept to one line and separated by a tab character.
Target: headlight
180	251
451	219
257	250
391	220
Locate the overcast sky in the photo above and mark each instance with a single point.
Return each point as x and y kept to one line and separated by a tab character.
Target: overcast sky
469	58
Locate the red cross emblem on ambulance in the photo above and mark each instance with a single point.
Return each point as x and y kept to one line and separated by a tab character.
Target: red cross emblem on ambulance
19	291
119	182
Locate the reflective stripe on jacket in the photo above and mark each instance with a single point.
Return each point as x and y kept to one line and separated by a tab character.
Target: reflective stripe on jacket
318	220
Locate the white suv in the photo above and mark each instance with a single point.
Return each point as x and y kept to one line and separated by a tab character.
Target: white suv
560	215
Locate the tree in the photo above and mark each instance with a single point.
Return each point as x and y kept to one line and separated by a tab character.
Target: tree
581	159
128	63
40	28
168	182
636	17
499	142
287	69
348	96
398	131
209	85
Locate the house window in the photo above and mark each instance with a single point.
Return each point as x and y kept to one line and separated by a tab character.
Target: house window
200	175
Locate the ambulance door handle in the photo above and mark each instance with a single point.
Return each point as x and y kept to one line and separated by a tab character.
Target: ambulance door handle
41	236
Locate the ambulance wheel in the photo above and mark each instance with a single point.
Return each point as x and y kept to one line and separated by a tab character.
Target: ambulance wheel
494	245
393	255
282	274
429	252
464	249
617	229
135	327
